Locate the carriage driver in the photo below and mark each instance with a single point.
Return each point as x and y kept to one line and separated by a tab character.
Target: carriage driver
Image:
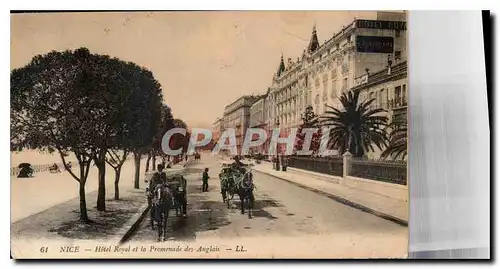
158	178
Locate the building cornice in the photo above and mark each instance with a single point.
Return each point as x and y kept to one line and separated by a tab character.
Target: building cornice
398	71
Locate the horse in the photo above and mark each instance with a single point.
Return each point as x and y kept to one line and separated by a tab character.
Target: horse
161	205
245	188
228	188
180	197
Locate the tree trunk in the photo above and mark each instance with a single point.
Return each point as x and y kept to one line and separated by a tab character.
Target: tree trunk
117	180
101	190
83	203
137	161
154	161
81	193
147	162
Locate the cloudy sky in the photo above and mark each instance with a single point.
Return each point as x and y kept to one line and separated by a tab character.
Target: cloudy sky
203	60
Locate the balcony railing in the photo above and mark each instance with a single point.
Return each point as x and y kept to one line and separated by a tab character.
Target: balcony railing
397	103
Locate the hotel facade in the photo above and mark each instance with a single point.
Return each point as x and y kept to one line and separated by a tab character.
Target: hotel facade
353	58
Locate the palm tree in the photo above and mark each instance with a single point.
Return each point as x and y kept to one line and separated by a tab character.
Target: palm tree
356	127
398	140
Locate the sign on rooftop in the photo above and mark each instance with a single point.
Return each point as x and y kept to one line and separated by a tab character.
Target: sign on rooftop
375	44
376	24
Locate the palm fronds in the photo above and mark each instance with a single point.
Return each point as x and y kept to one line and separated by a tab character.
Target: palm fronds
356	127
398	140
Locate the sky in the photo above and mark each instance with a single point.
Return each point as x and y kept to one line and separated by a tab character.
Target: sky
203	60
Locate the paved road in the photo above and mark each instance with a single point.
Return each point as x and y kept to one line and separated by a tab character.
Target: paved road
281	210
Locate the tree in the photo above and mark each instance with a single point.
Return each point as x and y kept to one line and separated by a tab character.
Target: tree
51	109
357	127
83	103
398	140
116	161
133	122
148	99
166	123
124	93
309	120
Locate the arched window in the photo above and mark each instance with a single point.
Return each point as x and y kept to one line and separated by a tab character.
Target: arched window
384	98
333	93
371	96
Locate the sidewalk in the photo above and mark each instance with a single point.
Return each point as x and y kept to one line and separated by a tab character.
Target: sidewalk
61	222
382	206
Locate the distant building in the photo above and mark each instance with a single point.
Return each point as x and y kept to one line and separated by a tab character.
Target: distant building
216	129
258	118
237	116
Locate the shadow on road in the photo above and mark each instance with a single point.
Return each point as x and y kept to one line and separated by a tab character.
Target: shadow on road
259	206
258	210
205	216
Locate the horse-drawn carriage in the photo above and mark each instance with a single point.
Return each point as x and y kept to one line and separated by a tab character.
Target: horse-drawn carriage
169	194
237	179
54	169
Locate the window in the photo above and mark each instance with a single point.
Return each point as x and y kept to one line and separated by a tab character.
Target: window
334	73
404	93
325	91
398	33
383	98
397	92
371	97
397	96
397	55
349	38
333	93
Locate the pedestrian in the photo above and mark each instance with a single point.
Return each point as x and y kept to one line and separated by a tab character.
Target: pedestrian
204	178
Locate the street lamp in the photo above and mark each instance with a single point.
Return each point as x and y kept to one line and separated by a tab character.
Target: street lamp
277	155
